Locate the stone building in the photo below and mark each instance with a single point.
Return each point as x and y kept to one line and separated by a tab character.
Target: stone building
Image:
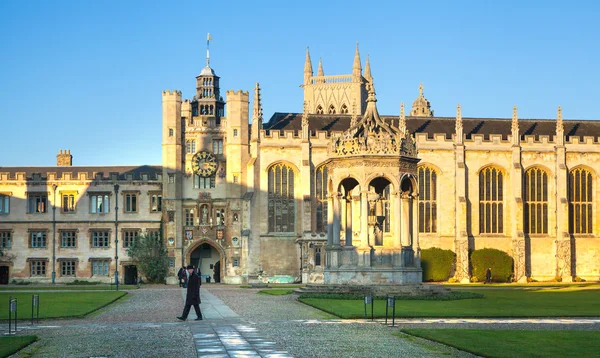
322	195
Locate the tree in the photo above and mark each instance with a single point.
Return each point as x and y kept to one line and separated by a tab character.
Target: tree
151	255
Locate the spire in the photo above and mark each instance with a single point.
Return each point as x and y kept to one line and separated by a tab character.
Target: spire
320	70
515	127
308	72
402	124
208	38
459	126
257	113
368	70
560	129
421	89
356	68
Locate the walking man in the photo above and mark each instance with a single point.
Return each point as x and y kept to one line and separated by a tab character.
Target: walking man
193	295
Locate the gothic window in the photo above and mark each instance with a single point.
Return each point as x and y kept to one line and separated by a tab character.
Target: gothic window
344	109
331	109
321	198
319	109
580	201
281	207
427	200
536	201
491	207
317	256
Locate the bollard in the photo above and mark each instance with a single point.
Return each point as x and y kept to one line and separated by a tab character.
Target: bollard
369	300
391	302
12	307
35	307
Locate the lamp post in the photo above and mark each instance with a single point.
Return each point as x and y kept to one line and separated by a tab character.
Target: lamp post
54	186
117	236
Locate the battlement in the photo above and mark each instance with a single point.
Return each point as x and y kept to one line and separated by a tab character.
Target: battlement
112	174
238	93
331	79
174	93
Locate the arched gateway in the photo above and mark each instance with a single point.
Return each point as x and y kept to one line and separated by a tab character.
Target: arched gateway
372	229
206	255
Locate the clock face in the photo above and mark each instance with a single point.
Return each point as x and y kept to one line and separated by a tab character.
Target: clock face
204	164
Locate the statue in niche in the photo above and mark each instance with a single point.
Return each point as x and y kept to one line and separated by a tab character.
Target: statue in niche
204	215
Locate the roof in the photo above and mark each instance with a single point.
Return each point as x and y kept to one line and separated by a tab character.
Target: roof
441	125
136	170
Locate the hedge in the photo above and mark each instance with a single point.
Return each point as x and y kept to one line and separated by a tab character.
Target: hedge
499	261
437	264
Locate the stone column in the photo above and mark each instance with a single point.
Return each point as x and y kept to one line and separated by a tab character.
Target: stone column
397	220
363	250
405	239
336	219
348	220
330	219
563	238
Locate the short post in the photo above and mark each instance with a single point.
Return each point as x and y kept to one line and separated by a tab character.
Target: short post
368	301
35	308
12	307
390	302
372	304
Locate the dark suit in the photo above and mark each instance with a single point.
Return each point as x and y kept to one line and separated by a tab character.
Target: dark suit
193	296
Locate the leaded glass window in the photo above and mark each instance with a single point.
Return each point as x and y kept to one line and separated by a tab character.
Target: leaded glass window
427	200
536	201
580	201
321	198
491	205
281	206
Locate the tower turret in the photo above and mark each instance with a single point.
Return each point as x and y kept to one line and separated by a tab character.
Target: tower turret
208	102
356	67
368	76
421	106
308	72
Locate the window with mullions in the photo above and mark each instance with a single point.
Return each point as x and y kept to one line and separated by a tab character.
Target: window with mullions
317	256
68	239
129	237
68	203
190	146
37	203
281	205
156	203
130	203
204	183
218	146
100	239
100	267
189	217
536	201
427	200
491	201
67	268
38	239
321	198
581	201
5	237
99	204
38	268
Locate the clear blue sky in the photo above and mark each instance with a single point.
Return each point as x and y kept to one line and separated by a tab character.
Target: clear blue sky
88	75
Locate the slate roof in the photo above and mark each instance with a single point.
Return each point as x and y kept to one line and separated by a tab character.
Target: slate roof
441	125
136	170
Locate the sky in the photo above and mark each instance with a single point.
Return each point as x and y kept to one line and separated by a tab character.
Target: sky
88	75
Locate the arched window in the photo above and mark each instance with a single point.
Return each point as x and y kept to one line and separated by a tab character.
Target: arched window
317	256
580	201
321	198
282	208
331	109
491	206
319	109
344	109
427	200
536	201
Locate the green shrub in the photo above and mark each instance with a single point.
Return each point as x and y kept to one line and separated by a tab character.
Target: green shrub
499	261
82	282
437	264
451	296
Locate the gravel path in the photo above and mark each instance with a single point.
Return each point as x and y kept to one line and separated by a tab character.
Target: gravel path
129	328
307	332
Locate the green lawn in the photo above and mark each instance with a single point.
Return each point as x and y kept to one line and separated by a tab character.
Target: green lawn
66	287
276	292
498	302
59	304
516	343
11	345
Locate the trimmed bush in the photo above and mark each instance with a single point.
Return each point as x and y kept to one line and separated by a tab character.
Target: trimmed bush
437	264
500	262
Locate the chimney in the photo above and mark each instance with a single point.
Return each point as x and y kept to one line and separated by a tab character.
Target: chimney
64	158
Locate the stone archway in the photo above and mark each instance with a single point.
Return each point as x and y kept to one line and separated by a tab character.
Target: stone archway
204	254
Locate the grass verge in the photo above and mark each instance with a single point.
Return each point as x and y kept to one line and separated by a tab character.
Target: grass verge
11	345
550	302
59	304
62	287
515	343
275	292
